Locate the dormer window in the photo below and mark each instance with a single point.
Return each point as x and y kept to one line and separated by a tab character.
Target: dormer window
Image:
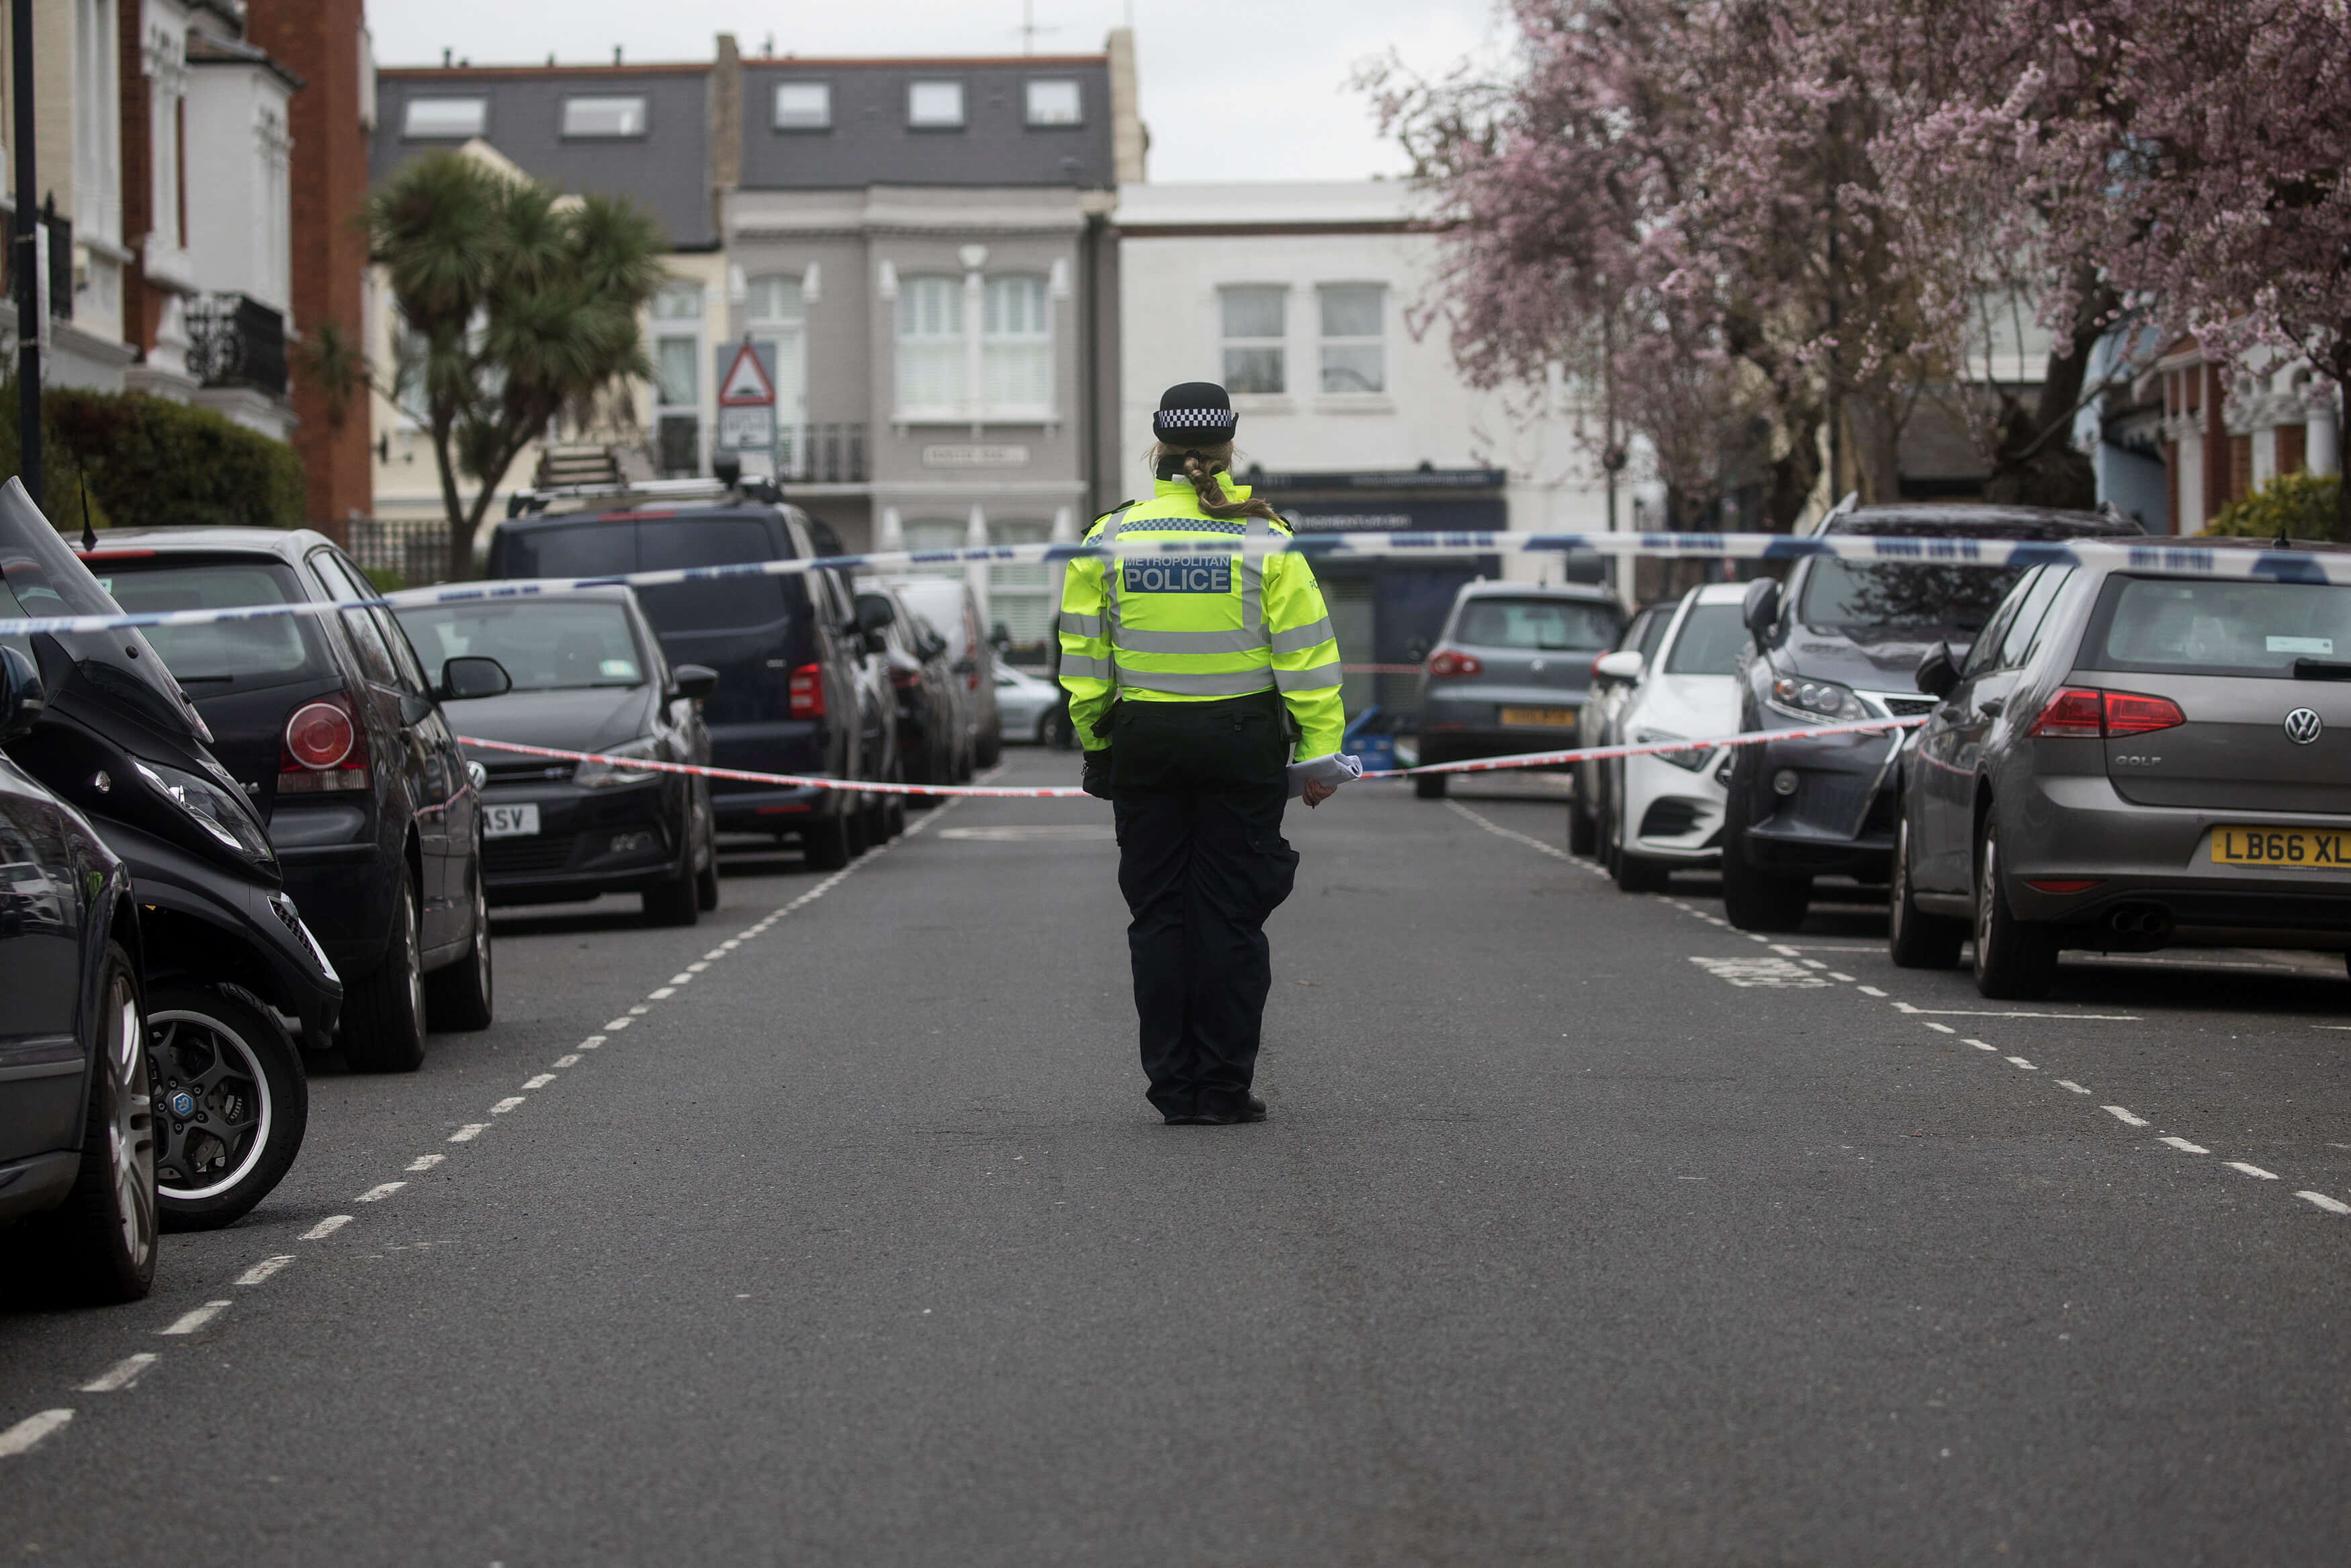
803	106
1054	101
935	105
445	119
604	119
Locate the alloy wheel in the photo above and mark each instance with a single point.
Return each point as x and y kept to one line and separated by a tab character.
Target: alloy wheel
130	1123
212	1109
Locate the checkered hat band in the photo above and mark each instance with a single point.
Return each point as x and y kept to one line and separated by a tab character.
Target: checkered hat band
1193	420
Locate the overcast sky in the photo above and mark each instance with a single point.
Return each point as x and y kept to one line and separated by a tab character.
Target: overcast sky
1232	89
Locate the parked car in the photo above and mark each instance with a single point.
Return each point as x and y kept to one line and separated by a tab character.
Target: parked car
1612	682
1664	808
1027	708
786	648
952	610
2125	762
587	675
1841	641
1510	672
333	729
929	741
223	952
77	1109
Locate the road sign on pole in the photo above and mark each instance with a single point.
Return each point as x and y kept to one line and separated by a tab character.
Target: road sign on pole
746	404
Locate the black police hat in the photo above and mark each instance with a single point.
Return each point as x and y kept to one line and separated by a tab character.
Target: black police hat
1193	413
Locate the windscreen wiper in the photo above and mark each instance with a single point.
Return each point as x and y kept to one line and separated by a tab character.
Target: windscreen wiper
2321	669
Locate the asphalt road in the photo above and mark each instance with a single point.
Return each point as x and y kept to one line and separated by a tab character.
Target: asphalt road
1585	1230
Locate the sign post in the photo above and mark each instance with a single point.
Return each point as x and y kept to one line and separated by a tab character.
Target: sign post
746	407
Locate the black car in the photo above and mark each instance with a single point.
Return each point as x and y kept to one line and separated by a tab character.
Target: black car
1840	642
76	1118
333	728
588	676
785	647
921	676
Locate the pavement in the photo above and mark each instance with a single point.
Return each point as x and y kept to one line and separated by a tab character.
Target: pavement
1585	1229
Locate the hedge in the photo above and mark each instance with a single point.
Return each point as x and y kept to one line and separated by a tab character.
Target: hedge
149	461
2291	506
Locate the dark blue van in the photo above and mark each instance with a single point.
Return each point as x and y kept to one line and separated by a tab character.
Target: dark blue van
785	649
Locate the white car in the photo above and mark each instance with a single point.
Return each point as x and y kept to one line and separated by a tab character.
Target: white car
1028	707
1665	810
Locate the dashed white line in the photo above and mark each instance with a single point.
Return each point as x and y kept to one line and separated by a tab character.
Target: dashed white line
1940	1028
121	1375
2124	1117
698	968
381	1191
427	1161
569	1059
620	1024
22	1436
2021	1062
2332	1205
592	1043
2253	1170
503	1106
190	1321
540	1082
2183	1146
639	1010
325	1227
687	978
1844	979
469	1132
1990	1012
1981	1045
264	1269
660	994
2069	1084
1871	991
1811	963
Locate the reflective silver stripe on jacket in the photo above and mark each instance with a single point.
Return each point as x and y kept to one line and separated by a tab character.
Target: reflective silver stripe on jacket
1239	640
1215	683
1253	583
1081	625
1084	668
1299	638
1309	680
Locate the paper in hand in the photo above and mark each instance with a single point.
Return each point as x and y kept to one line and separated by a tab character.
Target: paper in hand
1336	769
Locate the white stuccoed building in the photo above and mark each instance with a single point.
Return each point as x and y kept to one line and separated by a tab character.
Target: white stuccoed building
1314	305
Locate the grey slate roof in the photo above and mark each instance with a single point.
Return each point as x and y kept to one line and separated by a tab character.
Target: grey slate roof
667	170
869	143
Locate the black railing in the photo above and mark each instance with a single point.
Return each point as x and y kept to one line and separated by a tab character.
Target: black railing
821	454
412	550
234	340
61	286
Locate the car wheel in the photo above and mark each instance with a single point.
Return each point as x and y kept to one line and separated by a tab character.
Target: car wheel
991	747
1634	873
2016	961
1583	832
676	899
1914	938
462	997
1753	899
706	883
825	842
103	1235
854	824
231	1103
383	1012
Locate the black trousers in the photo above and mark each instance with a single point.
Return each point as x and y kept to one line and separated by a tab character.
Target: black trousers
1197	789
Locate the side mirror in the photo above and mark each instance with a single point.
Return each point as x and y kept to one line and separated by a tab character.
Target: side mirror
1416	649
1760	607
874	642
875	611
1625	664
22	701
1939	677
692	680
470	676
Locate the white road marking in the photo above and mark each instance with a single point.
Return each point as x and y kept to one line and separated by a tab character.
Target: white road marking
1811	963
683	979
325	1227
2069	1084
22	1436
592	1043
1981	1045
1777	973
1985	1012
640	1009
1784	949
540	1082
121	1375
381	1191
2183	1146
720	951
569	1059
698	968
503	1106
469	1132
620	1024
264	1269
1872	991
1497	829
660	994
2333	1206
1844	979
427	1161
1940	1028
2021	1062
2253	1170
190	1321
2124	1117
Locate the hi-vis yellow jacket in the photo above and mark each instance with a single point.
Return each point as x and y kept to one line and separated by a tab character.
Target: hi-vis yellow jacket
1196	627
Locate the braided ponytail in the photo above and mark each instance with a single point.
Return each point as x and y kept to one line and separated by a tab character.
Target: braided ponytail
1201	465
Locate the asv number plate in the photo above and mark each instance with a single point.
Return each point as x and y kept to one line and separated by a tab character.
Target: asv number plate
509	821
2281	847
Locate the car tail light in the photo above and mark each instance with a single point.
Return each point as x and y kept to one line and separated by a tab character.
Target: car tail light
807	691
1446	665
324	750
2083	714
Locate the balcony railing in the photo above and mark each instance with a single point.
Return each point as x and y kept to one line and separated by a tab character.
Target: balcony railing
412	550
234	340
821	454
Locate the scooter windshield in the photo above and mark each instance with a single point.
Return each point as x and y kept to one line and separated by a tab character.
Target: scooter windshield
41	576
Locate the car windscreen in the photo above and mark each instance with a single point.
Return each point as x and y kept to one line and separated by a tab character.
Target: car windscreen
2205	628
229	653
1536	624
601	549
546	645
1709	643
721	604
1881	601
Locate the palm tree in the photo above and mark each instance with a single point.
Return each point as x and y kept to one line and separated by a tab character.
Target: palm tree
516	305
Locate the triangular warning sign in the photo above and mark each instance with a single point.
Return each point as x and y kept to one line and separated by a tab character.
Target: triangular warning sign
747	385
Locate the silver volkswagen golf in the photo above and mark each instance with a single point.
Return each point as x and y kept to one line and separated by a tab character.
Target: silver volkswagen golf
2128	762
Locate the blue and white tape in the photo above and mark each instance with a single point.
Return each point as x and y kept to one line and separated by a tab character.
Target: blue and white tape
2152	558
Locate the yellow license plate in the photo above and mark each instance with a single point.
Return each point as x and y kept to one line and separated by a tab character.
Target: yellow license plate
1553	717
2281	847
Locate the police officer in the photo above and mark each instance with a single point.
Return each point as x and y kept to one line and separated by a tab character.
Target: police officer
1188	673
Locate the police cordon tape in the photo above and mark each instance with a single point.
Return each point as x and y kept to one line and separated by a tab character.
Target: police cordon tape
1002	791
2163	559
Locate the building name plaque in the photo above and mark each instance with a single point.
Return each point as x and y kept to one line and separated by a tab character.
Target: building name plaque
976	456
